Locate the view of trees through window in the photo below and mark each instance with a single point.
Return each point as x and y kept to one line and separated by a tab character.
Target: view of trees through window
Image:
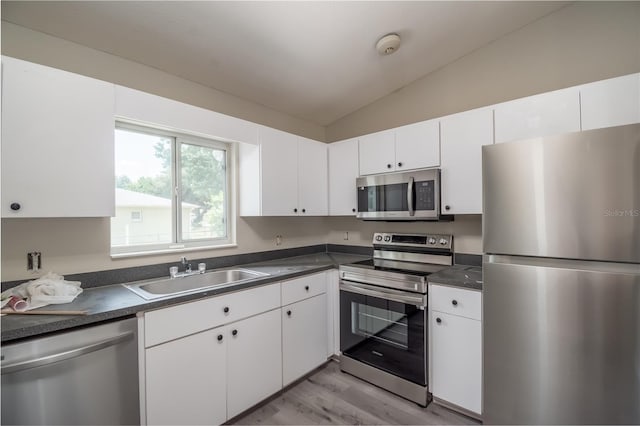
147	167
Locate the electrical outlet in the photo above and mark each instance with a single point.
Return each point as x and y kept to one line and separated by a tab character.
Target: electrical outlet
346	235
34	261
278	240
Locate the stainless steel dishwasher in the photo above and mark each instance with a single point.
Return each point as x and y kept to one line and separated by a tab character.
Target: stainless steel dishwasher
86	376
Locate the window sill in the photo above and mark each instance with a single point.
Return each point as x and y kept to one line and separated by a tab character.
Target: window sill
171	250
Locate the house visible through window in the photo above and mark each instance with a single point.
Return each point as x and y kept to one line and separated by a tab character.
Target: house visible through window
179	184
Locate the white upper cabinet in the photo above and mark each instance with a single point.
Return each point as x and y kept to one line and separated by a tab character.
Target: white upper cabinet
414	146
284	175
312	178
418	145
377	152
612	102
463	136
57	143
541	115
279	166
343	171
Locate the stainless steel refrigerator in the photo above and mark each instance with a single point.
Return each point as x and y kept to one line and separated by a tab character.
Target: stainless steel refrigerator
561	296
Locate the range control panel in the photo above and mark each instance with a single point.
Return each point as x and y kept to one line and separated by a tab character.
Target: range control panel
413	240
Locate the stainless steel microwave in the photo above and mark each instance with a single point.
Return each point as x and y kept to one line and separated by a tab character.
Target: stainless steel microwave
400	196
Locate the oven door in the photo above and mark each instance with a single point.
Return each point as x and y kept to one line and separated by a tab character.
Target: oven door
384	328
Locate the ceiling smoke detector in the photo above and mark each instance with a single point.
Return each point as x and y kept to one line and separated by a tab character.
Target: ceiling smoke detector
388	44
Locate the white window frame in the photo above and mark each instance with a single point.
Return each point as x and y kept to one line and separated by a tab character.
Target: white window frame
177	244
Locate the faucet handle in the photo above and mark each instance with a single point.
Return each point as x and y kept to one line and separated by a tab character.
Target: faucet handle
183	259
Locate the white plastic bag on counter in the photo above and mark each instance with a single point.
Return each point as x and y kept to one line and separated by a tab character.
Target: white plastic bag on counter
46	290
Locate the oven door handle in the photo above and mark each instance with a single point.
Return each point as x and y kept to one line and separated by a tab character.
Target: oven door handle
366	290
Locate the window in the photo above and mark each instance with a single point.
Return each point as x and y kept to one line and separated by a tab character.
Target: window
180	182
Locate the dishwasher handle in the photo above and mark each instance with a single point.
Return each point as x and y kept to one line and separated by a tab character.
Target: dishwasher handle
72	353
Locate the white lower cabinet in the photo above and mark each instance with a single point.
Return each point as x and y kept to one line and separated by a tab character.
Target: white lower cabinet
457	360
304	337
254	361
456	347
212	376
207	361
186	380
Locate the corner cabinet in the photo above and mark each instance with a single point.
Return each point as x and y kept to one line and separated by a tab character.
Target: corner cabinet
463	136
414	146
343	172
455	348
57	143
283	175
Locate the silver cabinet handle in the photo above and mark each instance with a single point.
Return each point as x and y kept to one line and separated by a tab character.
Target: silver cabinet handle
72	353
412	210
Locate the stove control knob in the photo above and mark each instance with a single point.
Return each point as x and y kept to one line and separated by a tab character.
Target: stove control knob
387	238
432	240
378	237
443	242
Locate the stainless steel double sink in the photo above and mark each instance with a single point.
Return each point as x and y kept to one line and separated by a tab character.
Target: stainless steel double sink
165	287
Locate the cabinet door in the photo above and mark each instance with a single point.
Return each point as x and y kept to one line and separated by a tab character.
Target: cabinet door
186	380
377	152
279	162
613	102
457	360
463	136
418	145
254	361
304	337
313	197
542	115
57	143
343	171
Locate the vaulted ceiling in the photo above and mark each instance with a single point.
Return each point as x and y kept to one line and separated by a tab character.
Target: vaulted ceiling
312	60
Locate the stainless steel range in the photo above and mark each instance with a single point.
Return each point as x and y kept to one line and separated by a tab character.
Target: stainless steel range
383	312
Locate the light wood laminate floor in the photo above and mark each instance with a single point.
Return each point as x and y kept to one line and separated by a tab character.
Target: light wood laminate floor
330	396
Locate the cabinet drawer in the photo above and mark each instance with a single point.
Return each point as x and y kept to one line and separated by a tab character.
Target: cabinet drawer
178	321
303	288
456	301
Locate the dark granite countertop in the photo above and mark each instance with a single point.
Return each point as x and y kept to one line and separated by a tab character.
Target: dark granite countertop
115	301
462	276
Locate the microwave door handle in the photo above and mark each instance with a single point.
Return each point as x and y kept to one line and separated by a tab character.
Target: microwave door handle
410	203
